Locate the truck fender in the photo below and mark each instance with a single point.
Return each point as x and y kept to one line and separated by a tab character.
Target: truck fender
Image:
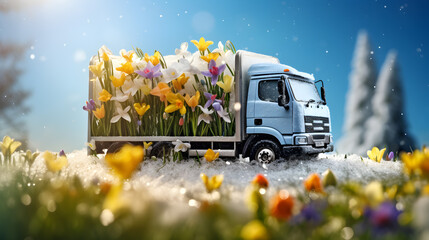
247	145
267	131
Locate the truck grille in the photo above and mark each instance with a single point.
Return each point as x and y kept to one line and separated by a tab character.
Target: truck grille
316	124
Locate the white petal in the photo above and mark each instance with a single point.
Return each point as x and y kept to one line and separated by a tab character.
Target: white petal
127	109
115	118
205	110
126	117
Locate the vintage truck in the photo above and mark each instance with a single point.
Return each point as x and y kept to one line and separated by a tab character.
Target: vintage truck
279	113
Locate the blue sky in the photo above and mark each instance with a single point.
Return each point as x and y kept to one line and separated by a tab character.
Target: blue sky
313	36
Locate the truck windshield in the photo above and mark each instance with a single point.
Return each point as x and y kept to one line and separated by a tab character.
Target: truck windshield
304	90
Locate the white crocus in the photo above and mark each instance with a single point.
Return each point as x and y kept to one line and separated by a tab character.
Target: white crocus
183	51
170	74
181	146
122	113
91	144
205	116
224	115
184	66
131	87
120	97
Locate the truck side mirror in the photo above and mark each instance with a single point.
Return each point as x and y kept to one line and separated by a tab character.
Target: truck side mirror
322	92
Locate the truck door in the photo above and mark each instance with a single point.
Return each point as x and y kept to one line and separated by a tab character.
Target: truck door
267	111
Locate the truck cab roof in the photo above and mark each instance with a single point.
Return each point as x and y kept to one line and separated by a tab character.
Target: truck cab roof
275	68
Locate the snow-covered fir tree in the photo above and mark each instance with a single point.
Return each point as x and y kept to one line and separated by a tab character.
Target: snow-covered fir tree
387	126
361	88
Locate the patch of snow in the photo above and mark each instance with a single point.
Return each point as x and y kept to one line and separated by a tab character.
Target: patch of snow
180	181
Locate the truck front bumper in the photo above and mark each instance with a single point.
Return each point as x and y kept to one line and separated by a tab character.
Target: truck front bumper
305	150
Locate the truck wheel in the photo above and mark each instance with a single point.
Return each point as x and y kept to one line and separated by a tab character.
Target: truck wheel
162	149
265	151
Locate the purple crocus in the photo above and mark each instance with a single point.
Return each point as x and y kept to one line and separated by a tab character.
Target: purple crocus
384	218
90	106
211	100
62	153
390	156
214	71
150	71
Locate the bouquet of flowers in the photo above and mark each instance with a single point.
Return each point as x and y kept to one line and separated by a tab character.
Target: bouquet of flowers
185	94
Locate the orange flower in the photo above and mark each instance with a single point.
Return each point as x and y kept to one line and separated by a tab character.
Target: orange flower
161	91
281	205
261	181
104	96
128	57
210	56
180	81
193	101
313	183
126	68
117	82
153	59
99	112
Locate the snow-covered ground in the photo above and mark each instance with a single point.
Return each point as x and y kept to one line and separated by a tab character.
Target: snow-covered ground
181	180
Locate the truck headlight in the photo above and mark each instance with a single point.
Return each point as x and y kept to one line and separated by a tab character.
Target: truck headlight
331	139
301	140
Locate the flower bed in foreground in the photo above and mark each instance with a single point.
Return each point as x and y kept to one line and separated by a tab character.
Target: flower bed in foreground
87	198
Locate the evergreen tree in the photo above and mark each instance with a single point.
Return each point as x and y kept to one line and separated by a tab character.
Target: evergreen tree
361	88
387	125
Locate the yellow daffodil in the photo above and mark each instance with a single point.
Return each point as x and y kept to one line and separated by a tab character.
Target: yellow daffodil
141	109
211	155
54	163
227	85
117	82
202	45
153	59
126	161
104	96
99	112
193	101
9	146
254	230
128	56
212	183
105	57
30	157
210	56
177	102
126	68
376	154
97	69
161	91
180	81
417	162
147	145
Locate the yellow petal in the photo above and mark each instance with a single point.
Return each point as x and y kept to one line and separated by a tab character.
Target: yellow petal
171	108
14	146
380	154
7	141
183	110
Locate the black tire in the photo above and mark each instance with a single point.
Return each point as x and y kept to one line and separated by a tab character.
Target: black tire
161	149
265	151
